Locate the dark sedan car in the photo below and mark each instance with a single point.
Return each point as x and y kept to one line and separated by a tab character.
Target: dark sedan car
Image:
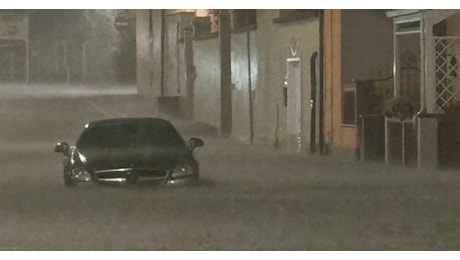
128	150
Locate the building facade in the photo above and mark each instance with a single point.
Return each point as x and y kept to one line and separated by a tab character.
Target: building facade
14	46
311	80
249	73
358	71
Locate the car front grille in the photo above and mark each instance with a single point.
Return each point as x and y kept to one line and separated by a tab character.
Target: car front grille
125	174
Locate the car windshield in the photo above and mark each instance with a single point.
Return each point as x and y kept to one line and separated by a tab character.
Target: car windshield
129	135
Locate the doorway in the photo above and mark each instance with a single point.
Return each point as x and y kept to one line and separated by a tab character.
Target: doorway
293	85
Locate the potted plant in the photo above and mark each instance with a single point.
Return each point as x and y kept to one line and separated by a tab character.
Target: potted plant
399	106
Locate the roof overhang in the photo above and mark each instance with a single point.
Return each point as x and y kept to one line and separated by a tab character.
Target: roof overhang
410	15
403	12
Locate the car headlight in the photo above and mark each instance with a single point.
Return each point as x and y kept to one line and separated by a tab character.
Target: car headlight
183	169
82	158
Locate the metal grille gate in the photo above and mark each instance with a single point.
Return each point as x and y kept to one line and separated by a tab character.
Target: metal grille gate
445	69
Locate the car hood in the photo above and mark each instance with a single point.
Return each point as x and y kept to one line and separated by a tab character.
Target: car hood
114	158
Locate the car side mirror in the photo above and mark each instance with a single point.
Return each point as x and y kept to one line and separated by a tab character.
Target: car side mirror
62	147
195	142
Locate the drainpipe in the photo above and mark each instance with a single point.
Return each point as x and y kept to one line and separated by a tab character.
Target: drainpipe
251	127
321	83
150	52
226	73
162	53
178	74
313	101
422	64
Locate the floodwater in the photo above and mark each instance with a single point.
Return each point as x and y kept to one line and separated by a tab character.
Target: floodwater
251	197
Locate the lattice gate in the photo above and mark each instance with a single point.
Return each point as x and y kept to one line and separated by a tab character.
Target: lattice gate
446	69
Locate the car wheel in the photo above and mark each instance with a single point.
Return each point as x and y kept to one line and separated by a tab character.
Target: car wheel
68	182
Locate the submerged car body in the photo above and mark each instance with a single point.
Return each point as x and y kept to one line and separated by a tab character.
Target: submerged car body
128	150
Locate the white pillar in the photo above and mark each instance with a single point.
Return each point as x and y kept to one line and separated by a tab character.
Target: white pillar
429	68
427	127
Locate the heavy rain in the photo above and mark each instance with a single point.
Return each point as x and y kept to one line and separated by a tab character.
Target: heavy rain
301	149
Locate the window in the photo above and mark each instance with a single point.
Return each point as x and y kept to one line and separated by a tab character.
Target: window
205	27
289	15
349	105
409	27
243	20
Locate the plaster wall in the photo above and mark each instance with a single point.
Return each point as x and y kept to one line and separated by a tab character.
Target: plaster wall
207	82
358	44
269	49
144	57
367	44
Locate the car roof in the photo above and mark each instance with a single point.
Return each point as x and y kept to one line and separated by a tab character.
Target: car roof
128	121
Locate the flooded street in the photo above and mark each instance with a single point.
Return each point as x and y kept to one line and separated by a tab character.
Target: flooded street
249	197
